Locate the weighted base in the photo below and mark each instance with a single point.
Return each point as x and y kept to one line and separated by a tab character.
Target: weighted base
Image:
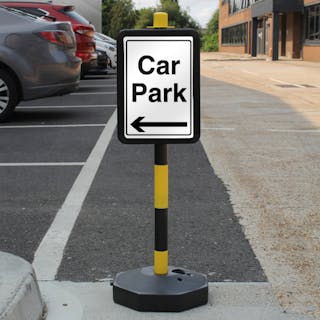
142	290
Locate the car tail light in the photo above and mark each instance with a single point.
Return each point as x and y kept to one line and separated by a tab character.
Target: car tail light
68	8
60	38
84	30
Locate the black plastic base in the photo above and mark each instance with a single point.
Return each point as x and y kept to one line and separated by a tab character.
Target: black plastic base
142	290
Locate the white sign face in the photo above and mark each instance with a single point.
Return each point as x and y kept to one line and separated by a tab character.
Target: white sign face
158	87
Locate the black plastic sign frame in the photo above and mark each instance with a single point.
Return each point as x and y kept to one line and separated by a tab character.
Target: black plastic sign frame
122	64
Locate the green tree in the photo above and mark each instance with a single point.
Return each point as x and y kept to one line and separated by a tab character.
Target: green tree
210	39
106	8
210	42
117	15
144	18
177	17
213	24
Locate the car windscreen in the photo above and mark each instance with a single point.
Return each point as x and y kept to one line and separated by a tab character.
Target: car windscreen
104	38
76	16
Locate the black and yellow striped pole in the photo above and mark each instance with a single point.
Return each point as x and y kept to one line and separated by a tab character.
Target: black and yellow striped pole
160	288
161	186
161	194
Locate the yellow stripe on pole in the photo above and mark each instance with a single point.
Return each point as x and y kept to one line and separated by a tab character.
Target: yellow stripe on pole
161	187
161	262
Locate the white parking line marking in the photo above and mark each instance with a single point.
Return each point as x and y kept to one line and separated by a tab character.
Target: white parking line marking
219	129
49	254
287	83
295	130
250	72
64	107
86	93
40	164
54	126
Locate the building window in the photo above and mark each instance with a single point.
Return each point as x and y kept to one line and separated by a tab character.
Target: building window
235	36
237	5
313	23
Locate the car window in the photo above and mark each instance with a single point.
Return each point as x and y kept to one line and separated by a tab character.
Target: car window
34	11
20	13
76	16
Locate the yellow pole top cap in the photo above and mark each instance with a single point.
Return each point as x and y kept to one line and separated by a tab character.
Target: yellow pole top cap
160	20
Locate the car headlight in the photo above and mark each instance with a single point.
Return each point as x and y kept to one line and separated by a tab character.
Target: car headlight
112	49
100	53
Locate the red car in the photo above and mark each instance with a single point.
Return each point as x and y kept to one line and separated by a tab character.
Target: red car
84	31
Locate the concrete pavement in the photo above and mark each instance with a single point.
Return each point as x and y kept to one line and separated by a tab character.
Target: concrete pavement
227	301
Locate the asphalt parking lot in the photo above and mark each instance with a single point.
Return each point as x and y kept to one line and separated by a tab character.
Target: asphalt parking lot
79	204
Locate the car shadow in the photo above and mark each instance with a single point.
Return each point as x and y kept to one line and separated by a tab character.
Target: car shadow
38	117
92	89
101	77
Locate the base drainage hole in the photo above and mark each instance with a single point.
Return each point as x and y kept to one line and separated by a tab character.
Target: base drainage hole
180	271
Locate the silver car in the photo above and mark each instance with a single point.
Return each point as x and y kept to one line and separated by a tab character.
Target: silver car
37	59
103	44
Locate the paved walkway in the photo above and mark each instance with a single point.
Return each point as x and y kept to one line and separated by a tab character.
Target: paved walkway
261	131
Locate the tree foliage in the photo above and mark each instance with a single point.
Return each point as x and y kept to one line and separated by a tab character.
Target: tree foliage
210	39
144	18
117	15
210	42
177	17
213	24
121	14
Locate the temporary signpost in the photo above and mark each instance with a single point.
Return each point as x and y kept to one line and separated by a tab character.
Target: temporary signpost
159	103
158	86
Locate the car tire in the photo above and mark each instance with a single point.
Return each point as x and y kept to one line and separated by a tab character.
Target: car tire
9	95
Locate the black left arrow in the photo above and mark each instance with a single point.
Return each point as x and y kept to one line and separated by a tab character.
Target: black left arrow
137	124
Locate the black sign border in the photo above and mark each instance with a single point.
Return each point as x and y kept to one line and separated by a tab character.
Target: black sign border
196	84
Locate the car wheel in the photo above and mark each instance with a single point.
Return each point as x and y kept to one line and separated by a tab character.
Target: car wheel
8	95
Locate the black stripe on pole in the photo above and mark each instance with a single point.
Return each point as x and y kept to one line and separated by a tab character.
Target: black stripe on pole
161	154
161	230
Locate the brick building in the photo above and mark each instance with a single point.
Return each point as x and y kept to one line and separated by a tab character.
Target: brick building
276	28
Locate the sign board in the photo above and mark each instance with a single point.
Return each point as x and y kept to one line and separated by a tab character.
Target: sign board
158	86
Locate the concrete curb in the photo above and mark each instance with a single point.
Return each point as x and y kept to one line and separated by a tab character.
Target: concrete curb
20	297
227	301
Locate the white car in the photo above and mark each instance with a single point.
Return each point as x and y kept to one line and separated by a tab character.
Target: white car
105	38
110	49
